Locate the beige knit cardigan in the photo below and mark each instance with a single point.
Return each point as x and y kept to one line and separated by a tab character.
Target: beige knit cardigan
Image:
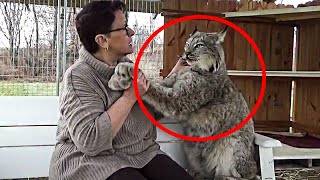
85	148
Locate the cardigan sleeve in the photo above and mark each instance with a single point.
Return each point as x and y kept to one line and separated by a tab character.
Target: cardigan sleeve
88	122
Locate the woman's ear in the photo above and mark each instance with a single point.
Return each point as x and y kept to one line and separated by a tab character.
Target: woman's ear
102	41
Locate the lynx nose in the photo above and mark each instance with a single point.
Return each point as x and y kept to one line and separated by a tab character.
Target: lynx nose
186	55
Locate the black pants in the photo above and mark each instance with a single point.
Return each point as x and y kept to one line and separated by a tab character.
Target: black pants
160	167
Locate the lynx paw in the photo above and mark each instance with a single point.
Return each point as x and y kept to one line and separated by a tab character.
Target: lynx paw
196	175
122	77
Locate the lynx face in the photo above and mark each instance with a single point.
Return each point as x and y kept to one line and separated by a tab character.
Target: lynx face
205	50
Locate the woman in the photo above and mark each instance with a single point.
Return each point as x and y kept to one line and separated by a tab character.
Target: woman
103	134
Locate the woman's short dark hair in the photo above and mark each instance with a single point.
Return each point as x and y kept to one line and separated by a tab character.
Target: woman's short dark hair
96	18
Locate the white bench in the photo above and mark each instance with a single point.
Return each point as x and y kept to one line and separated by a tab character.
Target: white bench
27	138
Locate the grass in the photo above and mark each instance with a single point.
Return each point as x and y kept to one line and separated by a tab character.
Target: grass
15	88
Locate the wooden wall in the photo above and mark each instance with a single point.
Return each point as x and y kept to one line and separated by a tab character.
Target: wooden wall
175	36
274	40
307	94
275	43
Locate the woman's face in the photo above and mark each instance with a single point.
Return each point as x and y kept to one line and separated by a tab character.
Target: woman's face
120	41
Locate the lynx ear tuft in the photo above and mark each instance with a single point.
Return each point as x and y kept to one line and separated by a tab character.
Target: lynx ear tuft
222	35
195	30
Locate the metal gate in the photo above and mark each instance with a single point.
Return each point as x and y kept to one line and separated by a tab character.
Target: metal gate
38	42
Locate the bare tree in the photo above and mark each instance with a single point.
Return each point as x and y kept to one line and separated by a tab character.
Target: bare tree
54	37
12	13
37	29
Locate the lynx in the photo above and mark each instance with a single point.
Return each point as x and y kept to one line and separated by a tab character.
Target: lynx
206	102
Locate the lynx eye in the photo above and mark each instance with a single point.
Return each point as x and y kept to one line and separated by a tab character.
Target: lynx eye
198	46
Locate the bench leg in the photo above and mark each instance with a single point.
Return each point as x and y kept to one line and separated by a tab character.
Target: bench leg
266	163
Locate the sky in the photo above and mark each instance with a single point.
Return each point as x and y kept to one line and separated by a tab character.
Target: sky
293	2
143	19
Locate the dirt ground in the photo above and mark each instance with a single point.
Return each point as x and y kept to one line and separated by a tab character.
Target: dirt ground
297	170
298	174
284	171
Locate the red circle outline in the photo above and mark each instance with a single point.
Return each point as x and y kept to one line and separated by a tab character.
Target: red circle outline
212	18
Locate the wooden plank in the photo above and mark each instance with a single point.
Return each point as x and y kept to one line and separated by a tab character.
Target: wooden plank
228	46
275	106
171	40
219	6
250	89
251	60
179	13
188	5
173	9
307	103
297	17
241	54
233	5
244	60
202	6
276	102
272	125
29	110
255	20
213	5
308	51
255	31
172	4
169	48
307	96
286	14
281	49
23	162
275	45
302	128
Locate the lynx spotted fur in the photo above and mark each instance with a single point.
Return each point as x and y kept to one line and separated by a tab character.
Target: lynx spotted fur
207	103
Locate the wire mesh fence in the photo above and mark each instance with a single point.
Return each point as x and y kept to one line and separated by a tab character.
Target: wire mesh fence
38	42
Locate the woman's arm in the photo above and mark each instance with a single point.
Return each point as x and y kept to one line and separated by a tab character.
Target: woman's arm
119	111
91	127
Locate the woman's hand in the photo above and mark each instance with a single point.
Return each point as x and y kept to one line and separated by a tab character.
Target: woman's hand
180	66
143	86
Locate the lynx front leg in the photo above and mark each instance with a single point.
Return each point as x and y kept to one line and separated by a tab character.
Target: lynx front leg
178	100
157	96
169	81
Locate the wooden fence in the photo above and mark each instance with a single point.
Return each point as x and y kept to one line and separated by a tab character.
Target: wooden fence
276	41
